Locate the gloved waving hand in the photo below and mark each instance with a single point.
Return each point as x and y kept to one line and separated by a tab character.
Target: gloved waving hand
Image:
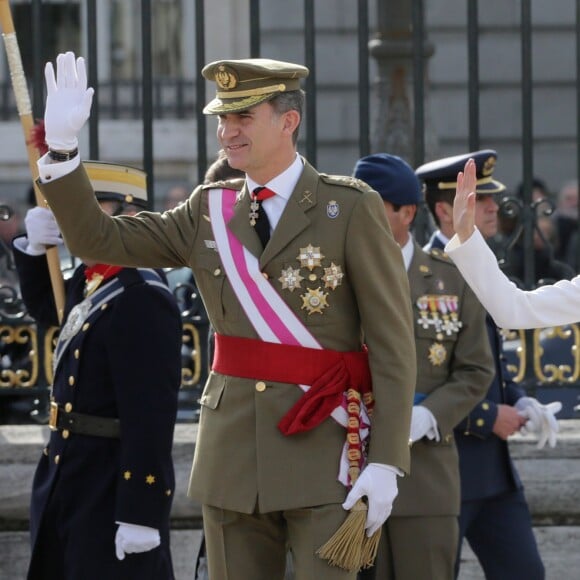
41	231
378	482
541	419
132	538
68	102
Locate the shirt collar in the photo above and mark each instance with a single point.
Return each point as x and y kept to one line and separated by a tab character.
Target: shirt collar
408	250
284	183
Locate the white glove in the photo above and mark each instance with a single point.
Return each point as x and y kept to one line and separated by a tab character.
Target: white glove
68	101
379	483
131	538
41	231
423	424
541	419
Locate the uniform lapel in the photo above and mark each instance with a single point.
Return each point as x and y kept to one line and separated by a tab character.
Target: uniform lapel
294	219
240	226
419	271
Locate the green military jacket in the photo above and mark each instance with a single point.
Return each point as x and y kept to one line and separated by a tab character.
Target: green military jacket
454	371
242	461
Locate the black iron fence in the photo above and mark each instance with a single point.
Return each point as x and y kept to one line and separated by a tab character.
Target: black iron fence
546	362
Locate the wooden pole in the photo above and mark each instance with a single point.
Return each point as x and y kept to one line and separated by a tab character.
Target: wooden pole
25	112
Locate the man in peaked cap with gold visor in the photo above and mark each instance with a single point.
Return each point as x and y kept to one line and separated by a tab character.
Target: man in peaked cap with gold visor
295	268
494	517
104	484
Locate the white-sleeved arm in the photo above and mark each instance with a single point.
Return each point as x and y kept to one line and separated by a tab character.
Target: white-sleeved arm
48	171
509	306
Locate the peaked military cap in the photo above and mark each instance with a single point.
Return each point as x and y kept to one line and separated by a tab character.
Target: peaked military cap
114	182
245	83
392	177
441	175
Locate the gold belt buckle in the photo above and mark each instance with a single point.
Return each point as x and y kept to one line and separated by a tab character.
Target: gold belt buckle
52	419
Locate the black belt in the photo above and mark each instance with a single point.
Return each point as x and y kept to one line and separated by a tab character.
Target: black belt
82	424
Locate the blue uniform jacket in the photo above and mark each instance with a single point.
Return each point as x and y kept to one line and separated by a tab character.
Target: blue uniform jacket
485	464
123	363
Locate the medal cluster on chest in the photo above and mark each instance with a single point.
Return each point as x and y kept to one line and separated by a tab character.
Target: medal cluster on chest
439	313
315	277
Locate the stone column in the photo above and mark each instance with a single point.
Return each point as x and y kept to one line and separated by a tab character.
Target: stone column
393	90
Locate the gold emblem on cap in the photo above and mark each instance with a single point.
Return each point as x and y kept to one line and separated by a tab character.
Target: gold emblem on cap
314	301
226	78
488	166
437	354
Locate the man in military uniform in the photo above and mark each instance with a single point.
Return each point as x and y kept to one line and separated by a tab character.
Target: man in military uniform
104	485
495	517
454	368
294	267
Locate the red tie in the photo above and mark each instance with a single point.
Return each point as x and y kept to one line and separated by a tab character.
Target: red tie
262	193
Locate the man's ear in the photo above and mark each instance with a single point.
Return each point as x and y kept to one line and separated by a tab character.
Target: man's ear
444	212
408	214
291	121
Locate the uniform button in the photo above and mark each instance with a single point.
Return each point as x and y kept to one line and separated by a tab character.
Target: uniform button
65	433
485	406
57	459
45	451
480	422
104	306
265	275
217	272
68	407
260	386
77	353
86	326
71	381
448	438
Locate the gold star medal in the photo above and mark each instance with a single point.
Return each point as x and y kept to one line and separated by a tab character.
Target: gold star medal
310	257
437	354
290	279
314	301
332	276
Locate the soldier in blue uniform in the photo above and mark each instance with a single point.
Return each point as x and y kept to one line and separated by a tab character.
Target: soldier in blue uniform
104	485
494	518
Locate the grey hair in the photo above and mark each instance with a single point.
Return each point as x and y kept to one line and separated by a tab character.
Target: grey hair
290	101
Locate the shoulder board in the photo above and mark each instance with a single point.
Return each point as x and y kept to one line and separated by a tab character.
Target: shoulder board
235	184
440	255
346	181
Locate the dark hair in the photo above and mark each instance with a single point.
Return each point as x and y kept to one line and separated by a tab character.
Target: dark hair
432	197
537	183
290	101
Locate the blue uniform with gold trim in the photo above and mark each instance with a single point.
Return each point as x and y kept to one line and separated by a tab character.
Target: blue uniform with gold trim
123	363
494	517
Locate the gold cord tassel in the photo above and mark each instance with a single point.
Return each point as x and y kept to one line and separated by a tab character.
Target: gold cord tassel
349	547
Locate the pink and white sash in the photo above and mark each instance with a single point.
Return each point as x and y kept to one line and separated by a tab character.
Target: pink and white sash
273	320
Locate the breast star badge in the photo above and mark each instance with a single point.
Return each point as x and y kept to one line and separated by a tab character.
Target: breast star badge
310	257
437	354
290	279
332	276
314	301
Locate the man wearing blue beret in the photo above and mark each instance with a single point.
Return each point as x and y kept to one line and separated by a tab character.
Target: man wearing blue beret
494	518
454	367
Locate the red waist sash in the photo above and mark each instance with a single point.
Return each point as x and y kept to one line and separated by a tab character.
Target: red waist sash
328	372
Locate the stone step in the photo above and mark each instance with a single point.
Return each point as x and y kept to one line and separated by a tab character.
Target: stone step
551	478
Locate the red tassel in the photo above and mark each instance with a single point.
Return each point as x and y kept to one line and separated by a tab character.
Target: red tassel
38	137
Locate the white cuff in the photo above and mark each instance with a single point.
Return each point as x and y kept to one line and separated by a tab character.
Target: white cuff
49	171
